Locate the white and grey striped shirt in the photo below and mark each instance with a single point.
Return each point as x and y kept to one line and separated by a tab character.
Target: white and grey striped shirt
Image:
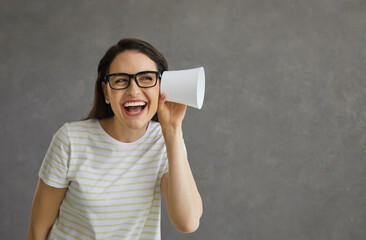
113	187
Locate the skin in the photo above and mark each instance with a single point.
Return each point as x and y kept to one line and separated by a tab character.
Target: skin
183	201
46	204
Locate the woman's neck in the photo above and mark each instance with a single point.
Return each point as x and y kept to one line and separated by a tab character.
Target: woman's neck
120	132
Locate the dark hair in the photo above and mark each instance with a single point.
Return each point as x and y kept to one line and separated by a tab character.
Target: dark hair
102	110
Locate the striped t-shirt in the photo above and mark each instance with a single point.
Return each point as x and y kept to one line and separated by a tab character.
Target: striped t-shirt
113	187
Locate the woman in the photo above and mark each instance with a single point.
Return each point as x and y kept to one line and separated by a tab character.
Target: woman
102	178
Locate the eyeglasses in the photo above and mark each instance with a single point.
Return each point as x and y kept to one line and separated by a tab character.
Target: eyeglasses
146	79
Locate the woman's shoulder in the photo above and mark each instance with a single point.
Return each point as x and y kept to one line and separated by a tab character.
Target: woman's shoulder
154	130
81	125
154	127
89	123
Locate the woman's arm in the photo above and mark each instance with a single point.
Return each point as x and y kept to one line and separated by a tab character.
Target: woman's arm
178	186
180	192
45	208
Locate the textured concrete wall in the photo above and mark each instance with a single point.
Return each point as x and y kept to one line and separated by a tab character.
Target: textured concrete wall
279	147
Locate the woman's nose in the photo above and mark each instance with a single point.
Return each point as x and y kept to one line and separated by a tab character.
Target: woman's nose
133	89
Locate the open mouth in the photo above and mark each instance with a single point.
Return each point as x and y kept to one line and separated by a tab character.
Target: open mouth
134	108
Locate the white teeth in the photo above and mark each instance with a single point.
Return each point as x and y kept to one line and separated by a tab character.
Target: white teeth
134	104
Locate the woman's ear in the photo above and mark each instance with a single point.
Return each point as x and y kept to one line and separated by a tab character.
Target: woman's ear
105	91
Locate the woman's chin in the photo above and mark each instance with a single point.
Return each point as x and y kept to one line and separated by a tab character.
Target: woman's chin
137	126
137	123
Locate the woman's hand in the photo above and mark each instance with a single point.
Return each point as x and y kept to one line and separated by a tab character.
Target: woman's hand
170	114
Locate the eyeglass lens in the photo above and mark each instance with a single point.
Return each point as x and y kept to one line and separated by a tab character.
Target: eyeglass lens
143	80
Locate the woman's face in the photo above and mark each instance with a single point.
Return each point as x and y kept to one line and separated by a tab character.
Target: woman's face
122	101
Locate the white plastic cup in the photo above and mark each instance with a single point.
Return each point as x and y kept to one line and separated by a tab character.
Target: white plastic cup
184	86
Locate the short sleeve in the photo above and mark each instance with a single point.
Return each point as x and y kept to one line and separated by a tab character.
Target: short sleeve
55	164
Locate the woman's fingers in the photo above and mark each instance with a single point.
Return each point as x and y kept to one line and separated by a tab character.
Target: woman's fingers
162	100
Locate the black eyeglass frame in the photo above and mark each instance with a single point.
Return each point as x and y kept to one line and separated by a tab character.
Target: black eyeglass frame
107	77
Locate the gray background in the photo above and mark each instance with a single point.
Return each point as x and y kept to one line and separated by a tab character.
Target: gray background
278	149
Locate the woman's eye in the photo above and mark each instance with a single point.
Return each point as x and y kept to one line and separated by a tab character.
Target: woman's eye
146	78
121	80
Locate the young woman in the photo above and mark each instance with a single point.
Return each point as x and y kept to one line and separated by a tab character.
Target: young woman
102	178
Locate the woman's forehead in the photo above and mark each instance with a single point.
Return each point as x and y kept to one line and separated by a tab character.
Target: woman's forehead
132	62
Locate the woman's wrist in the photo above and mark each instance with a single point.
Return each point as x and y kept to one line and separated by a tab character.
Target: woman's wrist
172	132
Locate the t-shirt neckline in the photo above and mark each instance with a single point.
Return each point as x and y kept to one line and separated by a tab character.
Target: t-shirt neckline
110	138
